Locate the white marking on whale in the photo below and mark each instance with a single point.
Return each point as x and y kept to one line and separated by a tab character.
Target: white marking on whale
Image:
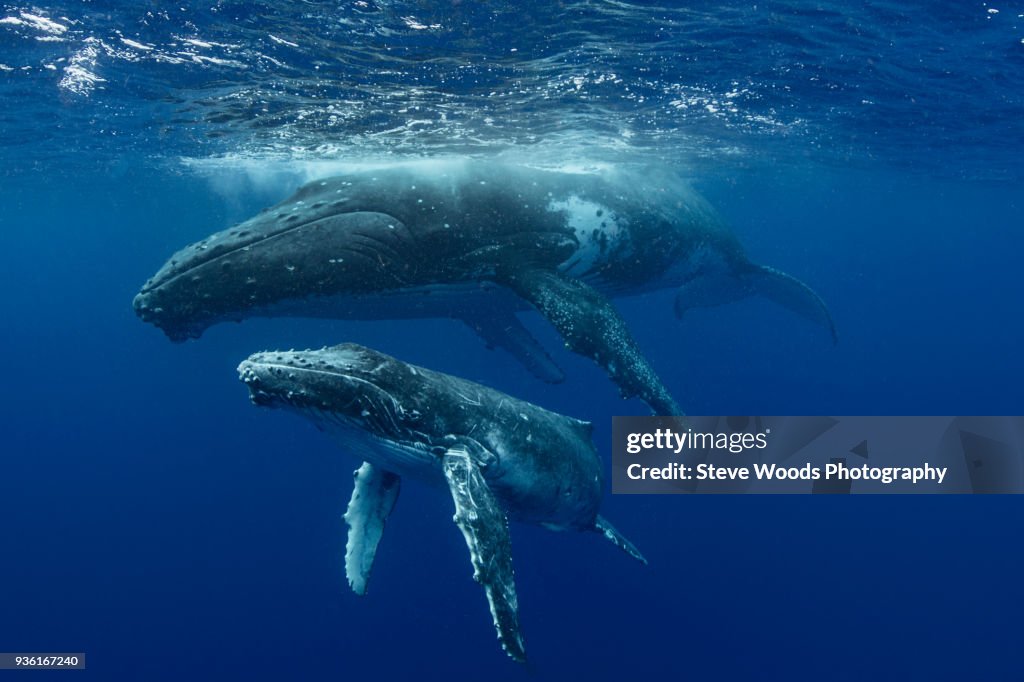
413	240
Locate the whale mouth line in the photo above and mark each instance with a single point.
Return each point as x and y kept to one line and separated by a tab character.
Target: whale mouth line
249	364
193	261
247	372
381	415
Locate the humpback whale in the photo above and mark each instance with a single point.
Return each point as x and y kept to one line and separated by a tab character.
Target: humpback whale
499	457
476	241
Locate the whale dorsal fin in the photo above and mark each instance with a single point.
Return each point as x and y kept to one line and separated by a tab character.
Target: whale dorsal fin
485	527
373	498
591	327
584	428
501	328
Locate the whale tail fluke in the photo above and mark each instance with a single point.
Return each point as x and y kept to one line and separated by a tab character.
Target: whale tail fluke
791	293
775	285
606	529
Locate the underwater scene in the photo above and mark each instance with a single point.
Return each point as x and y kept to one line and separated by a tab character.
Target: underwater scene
315	316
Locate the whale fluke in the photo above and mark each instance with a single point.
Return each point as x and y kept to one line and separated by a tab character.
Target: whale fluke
718	288
468	239
606	529
500	458
791	293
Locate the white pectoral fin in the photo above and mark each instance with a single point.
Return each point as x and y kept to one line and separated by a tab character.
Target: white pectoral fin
373	498
485	528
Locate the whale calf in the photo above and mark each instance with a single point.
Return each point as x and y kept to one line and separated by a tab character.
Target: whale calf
477	241
499	457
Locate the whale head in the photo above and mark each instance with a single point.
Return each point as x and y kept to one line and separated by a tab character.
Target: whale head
542	465
348	390
312	247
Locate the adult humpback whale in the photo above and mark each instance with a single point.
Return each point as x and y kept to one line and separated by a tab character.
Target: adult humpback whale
498	456
477	241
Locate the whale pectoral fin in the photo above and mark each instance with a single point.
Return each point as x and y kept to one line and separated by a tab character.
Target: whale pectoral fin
373	498
791	293
590	326
485	528
606	529
501	328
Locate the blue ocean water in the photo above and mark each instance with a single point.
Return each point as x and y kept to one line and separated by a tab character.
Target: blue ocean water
155	520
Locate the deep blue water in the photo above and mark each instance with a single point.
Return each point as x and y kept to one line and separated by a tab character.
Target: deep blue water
157	521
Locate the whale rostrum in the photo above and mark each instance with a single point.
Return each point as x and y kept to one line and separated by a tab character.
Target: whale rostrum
500	458
476	241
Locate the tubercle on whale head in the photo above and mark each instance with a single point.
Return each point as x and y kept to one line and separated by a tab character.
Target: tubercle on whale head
346	384
336	254
149	311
